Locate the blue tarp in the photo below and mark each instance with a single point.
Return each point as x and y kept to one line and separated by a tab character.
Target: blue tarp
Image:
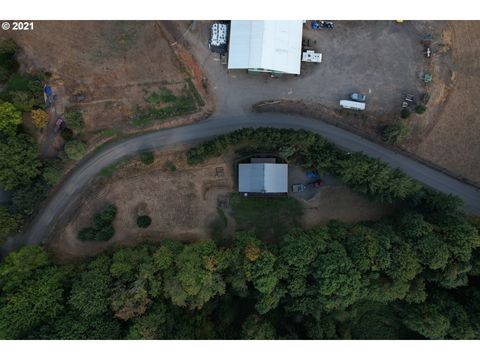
312	175
47	90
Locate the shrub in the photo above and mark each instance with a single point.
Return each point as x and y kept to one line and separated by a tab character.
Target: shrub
144	221
8	46
25	90
147	157
39	118
420	109
67	134
105	217
22	100
8	64
395	133
26	199
87	234
105	233
405	113
75	149
52	175
172	167
74	120
9	223
102	229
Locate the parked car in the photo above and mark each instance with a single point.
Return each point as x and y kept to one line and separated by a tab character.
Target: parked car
358	97
322	24
296	188
318	183
327	24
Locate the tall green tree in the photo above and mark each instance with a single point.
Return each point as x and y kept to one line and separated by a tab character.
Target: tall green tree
10	118
338	282
196	277
9	223
92	291
37	300
19	162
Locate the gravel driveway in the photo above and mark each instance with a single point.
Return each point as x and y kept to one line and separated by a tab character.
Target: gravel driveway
382	59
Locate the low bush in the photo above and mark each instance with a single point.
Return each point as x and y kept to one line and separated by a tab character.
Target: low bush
405	113
52	175
74	120
102	229
395	133
144	221
147	157
420	109
67	134
75	149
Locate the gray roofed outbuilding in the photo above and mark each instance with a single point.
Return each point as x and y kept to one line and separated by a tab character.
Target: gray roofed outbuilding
263	178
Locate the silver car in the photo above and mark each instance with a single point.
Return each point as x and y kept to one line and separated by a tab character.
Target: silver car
358	97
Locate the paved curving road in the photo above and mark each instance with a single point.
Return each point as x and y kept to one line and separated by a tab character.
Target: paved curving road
65	198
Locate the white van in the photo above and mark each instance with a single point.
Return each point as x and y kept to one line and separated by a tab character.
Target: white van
352	105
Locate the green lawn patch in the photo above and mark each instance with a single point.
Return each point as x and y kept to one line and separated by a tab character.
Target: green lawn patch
108	133
270	218
195	92
164	105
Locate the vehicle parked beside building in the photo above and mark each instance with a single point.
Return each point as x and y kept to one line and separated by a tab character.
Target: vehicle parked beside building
352	105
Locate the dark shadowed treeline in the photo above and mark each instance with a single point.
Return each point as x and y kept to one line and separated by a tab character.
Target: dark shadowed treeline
366	175
413	275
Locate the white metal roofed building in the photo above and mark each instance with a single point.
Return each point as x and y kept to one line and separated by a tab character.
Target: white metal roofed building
263	178
266	46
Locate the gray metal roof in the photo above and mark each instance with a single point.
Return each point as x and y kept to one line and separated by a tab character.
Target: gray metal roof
263	178
266	44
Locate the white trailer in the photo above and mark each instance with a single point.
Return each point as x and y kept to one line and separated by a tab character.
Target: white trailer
311	56
352	105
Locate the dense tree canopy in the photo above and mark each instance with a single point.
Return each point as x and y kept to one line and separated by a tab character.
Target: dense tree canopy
18	161
404	276
10	118
400	277
9	223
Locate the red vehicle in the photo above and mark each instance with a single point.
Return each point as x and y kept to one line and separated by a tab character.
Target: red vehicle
318	183
59	124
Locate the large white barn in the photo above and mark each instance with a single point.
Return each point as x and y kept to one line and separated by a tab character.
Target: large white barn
266	46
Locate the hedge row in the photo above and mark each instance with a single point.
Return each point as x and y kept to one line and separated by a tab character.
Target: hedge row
366	175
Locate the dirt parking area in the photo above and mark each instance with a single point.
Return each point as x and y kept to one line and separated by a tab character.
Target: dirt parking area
382	59
183	204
